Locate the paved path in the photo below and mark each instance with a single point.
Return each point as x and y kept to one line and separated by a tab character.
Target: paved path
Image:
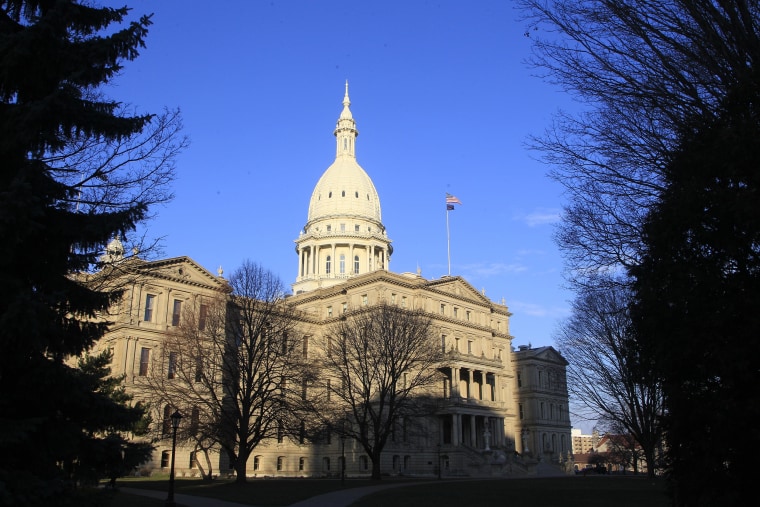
341	498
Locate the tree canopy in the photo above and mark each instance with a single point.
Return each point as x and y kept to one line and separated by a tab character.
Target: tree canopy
57	211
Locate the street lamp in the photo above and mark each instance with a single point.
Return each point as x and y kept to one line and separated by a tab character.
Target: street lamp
175	417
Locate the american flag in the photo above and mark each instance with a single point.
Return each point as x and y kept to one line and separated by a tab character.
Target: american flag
451	201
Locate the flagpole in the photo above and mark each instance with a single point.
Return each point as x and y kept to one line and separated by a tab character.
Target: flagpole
448	239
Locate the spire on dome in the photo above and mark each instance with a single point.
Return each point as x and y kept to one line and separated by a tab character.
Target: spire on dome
345	130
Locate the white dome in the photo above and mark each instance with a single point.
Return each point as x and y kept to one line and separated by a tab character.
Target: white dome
344	190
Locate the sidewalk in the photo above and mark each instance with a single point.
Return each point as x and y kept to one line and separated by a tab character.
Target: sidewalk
342	498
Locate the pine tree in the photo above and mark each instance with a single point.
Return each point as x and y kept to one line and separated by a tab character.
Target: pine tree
53	58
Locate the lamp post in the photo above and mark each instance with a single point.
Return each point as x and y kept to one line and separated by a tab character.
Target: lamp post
175	417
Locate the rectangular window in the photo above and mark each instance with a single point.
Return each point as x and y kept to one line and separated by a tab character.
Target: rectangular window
202	314
469	346
456	312
519	379
356	228
342	227
280	459
302	461
304	386
329	311
329	346
172	370
144	361
150	302
443	343
522	414
257	462
364	300
443	309
393	299
403	301
192	459
305	347
176	312
467	315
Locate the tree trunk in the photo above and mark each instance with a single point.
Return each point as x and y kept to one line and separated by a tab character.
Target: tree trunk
376	467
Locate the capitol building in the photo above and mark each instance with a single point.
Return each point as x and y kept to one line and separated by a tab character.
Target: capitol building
500	409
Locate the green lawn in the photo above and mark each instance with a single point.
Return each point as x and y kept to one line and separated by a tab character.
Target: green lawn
592	491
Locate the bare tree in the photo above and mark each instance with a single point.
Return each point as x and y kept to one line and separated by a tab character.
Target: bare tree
380	362
235	366
641	70
603	377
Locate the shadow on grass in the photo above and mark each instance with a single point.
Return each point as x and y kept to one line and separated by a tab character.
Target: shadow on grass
597	491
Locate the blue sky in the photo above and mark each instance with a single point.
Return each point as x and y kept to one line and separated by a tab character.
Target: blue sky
443	102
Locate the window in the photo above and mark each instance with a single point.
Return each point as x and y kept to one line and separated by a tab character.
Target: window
327	262
329	311
342	265
326	464
304	387
176	312
443	343
393	299
342	227
150	302
522	414
356	263
356	227
343	192
166	423
403	301
172	370
542	410
165	455
363	462
519	379
198	369
407	462
467	314
329	346
305	347
301	464
364	300
345	307
195	417
329	227
356	194
469	346
192	464
456	312
443	309
257	462
280	460
285	343
144	361
202	314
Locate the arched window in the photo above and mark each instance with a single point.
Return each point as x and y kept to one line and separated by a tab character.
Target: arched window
356	264
327	264
165	455
342	264
256	463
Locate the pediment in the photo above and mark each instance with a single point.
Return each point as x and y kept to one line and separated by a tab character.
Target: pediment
459	288
549	354
183	270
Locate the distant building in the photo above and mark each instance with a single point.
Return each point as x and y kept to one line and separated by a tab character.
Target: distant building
499	411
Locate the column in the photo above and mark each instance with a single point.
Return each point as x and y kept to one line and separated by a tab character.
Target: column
455	387
473	433
469	383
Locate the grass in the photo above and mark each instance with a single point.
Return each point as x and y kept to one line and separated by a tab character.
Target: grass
596	491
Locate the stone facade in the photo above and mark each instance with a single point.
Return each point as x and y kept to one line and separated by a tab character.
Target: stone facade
498	411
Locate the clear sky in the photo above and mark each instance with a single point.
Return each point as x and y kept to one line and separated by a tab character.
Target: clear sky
443	103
